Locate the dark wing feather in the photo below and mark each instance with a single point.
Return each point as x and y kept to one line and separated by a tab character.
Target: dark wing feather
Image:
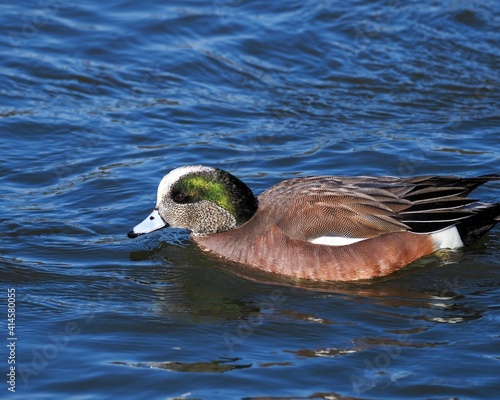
441	201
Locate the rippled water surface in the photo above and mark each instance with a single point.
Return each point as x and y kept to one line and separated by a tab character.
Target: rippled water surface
100	99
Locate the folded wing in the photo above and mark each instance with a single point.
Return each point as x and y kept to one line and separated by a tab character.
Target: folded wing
365	207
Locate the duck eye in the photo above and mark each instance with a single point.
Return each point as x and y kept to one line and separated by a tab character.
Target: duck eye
179	197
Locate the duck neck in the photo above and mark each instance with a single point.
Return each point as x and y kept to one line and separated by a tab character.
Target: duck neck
242	202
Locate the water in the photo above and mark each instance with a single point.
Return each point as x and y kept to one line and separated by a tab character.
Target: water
100	99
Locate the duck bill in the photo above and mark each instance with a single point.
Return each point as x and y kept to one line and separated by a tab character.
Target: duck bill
152	223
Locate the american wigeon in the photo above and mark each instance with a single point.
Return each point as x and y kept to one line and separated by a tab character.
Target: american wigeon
323	227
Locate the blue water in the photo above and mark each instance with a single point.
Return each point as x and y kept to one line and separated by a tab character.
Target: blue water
101	99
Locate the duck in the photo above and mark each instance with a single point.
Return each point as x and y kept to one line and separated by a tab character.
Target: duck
322	228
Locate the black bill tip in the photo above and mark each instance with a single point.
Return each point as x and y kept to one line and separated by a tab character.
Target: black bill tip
132	234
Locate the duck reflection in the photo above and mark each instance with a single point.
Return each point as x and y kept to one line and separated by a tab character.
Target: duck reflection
187	281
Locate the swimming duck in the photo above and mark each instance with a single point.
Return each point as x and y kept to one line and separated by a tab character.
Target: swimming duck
328	228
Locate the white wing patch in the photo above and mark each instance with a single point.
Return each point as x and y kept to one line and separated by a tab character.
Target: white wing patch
447	238
335	240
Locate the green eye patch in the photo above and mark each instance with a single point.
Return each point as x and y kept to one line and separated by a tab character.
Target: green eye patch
198	188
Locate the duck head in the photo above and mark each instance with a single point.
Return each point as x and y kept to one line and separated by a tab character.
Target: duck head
203	199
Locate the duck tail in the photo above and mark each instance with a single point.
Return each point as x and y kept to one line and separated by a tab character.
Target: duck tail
441	208
484	217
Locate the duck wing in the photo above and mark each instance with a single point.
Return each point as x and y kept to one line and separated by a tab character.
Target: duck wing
365	207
